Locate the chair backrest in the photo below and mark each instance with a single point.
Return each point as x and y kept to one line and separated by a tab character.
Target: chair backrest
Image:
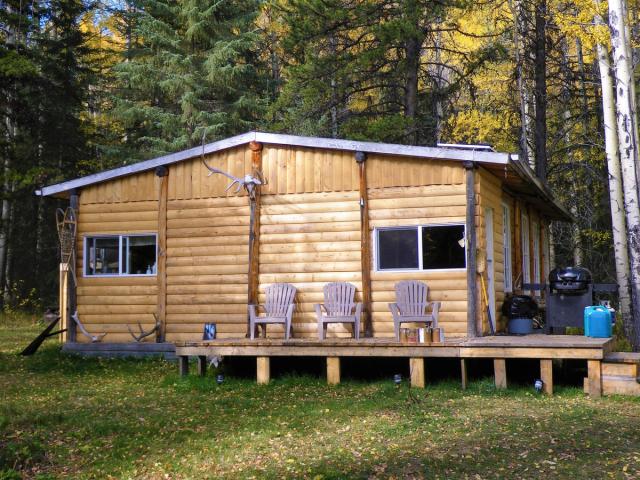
411	297
279	297
339	298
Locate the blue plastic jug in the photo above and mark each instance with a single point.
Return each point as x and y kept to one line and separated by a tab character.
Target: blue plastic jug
597	322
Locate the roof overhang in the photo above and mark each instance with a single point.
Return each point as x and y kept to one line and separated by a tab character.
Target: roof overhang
278	139
494	161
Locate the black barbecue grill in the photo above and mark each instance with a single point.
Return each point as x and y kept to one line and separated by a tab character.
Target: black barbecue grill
569	291
570	280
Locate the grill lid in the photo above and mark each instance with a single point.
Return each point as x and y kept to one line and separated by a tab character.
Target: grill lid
569	275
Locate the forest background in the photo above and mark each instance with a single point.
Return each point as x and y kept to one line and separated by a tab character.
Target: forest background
86	86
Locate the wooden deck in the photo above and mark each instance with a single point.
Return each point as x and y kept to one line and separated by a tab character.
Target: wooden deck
499	348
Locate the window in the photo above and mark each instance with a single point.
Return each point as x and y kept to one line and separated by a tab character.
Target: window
536	255
420	248
506	247
120	255
526	255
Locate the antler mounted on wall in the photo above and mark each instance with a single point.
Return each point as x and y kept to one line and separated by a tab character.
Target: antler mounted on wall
248	182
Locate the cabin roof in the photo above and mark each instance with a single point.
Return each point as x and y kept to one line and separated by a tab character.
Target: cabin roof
518	176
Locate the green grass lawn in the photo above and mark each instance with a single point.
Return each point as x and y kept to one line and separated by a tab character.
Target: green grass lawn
65	417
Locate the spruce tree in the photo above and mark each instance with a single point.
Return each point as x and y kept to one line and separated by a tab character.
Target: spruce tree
192	72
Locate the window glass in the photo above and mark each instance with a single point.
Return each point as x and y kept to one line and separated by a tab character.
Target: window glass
141	257
443	247
398	248
104	256
121	255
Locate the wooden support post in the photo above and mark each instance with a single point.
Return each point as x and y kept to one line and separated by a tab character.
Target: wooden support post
64	302
263	370
333	370
416	370
202	365
72	305
595	378
471	245
517	244
463	373
183	365
254	228
365	245
500	371
161	269
546	375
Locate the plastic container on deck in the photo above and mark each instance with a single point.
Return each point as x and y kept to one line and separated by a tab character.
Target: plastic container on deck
520	326
597	322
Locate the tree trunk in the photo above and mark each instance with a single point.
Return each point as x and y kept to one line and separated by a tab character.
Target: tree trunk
540	73
519	17
618	224
333	46
628	145
412	47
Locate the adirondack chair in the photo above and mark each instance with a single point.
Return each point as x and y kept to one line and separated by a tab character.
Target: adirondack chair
339	307
278	308
411	306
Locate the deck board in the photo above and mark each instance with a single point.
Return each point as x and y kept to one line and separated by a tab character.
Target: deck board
530	346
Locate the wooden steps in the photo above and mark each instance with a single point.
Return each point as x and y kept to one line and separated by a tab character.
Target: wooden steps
620	374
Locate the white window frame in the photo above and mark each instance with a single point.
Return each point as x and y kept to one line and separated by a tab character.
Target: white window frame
506	248
526	250
535	226
120	237
376	248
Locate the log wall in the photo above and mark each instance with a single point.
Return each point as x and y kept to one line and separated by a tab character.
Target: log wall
407	206
309	236
108	304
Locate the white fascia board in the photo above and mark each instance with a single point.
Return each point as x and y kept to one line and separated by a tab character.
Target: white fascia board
280	139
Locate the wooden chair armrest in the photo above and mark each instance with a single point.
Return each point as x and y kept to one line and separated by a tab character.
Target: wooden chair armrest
435	306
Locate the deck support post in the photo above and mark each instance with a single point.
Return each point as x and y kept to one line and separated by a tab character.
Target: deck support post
183	365
595	378
202	365
463	373
161	272
365	244
416	371
471	245
500	371
333	370
263	370
546	375
254	229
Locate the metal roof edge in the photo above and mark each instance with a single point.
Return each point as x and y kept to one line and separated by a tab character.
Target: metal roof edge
280	139
527	174
146	164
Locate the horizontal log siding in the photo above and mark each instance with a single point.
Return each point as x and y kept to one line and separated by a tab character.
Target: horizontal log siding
207	263
490	196
109	304
404	206
309	240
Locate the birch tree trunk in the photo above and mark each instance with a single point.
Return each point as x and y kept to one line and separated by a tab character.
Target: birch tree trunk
618	223
628	145
540	79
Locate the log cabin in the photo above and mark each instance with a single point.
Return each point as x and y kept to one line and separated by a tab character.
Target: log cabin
164	239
